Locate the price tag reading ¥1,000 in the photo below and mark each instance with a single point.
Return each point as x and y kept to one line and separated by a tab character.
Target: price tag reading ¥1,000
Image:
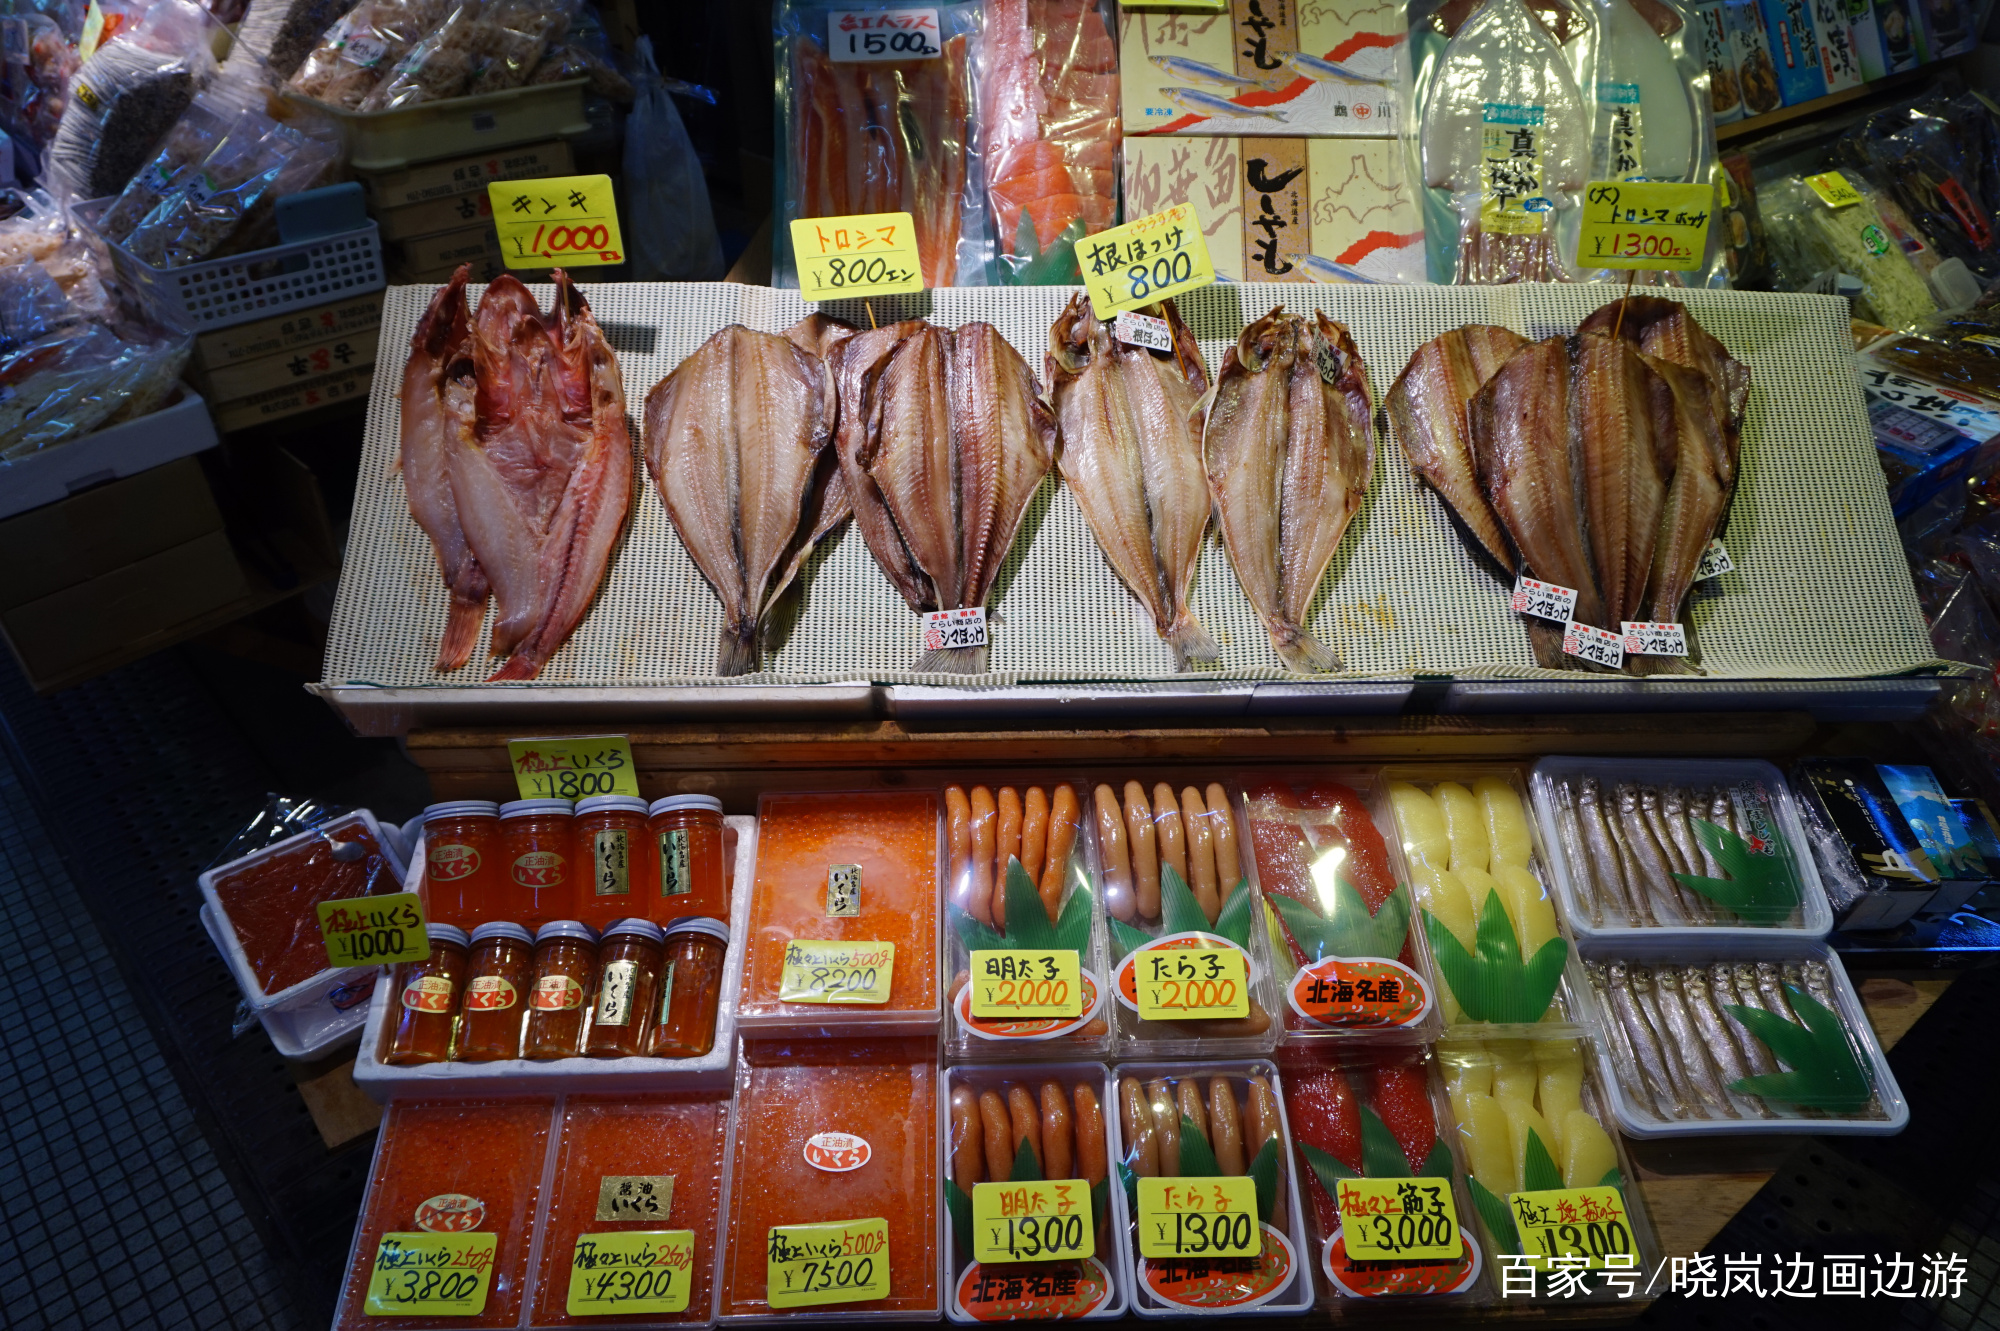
1833	189
1032	1222
1011	985
374	931
828	971
1544	600
1145	261
1645	638
1177	984
572	767
431	1275
1574	1222
1399	1219
1199	1217
946	630
874	254
560	222
1594	645
636	1271
839	1261
1715	562
1644	224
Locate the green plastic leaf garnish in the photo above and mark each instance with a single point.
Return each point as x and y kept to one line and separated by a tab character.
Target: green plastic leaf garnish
1180	913
959	1204
1028	927
1760	888
1438	1163
1197	1157
1026	1169
1073	929
1493	1212
977	937
1824	1074
1350	931
1614	1177
1381	1154
1131	1182
1538	1168
1127	939
1032	266
1328	1170
1492	983
1264	1171
1233	920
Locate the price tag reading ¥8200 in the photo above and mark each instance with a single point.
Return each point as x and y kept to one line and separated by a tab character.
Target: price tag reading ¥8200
1594	645
874	254
1574	1222
946	630
1544	600
1145	261
560	222
825	971
890	34
1644	224
840	1261
374	931
636	1271
1143	330
1198	1217
1833	189
1715	562
1010	985
571	767
1399	1219
431	1275
1176	984
1644	638
1032	1222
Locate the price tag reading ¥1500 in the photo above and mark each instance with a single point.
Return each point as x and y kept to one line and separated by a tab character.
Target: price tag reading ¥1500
839	1261
1012	985
874	254
1399	1219
854	35
1644	224
560	222
571	767
1574	1222
1199	1217
1594	645
829	971
1176	984
1145	261
431	1275
374	931
1032	1222
1544	600
636	1271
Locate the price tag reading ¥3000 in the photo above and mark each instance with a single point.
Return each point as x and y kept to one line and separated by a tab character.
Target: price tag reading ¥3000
1644	224
827	971
1032	1222
431	1275
636	1271
1009	985
1145	261
1399	1219
874	254
1176	984
1574	1222
560	222
1199	1217
572	767
840	1261
374	931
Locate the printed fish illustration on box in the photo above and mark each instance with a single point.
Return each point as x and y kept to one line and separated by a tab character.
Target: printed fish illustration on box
1265	67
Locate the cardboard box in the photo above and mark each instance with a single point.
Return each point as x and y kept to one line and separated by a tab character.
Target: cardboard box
126	449
424	259
454	213
87	535
229	384
1839	61
286	332
469	174
278	403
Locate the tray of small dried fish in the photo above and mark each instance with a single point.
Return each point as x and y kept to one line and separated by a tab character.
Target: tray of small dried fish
1685	849
1695	1042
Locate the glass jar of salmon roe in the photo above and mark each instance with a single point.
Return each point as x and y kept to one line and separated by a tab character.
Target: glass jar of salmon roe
427	993
687	847
628	969
565	966
462	871
690	988
615	866
496	997
538	845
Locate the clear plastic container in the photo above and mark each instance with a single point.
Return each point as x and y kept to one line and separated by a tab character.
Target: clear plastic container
614	859
538	848
462	872
687	861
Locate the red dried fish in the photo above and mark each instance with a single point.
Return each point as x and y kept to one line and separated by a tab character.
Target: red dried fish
437	416
1048	118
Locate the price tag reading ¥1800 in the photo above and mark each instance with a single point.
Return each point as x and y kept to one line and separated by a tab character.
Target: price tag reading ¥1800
1644	224
1833	189
1012	985
1574	1222
1176	984
1645	638
830	971
1399	1219
839	1261
1594	645
874	254
1199	1217
560	222
1544	600
431	1275
1145	261
374	931
571	767
636	1271
1032	1222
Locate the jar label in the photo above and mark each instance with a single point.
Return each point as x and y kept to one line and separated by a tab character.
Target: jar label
837	1152
539	868
666	991
614	993
489	993
450	1213
635	1196
843	891
675	878
427	993
557	993
611	860
449	863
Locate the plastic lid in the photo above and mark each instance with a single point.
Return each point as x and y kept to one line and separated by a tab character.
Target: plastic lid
461	809
523	808
446	933
576	929
596	803
501	929
646	929
700	924
671	802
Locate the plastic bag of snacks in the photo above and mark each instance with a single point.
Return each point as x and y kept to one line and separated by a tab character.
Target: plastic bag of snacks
282	33
364	48
258	159
127	97
510	39
218	108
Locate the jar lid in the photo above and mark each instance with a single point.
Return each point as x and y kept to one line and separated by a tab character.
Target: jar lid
671	802
462	809
646	929
595	803
700	924
501	929
524	808
446	933
576	929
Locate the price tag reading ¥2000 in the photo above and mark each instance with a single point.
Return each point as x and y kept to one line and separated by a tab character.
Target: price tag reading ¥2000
1010	985
949	629
1715	562
1644	224
431	1275
374	931
1544	600
1833	189
572	767
1032	1222
1176	984
1594	645
560	222
1199	1217
1574	1222
1399	1219
1644	638
874	254
840	1261
636	1271
827	971
1145	261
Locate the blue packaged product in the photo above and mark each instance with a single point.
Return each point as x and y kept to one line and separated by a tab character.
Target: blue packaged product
1919	456
1794	50
1938	828
1751	50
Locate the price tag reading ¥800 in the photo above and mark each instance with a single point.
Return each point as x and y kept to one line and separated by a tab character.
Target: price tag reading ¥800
1198	1217
1574	1222
1399	1219
1544	600
874	254
431	1275
1833	189
1032	1222
1644	224
560	222
840	1261
636	1271
1588	643
1145	261
374	931
1011	985
571	767
828	971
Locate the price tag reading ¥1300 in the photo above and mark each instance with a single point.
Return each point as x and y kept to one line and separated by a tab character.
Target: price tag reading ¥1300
830	971
637	1271
839	1261
1149	260
1399	1219
874	254
1644	224
1010	985
560	222
1176	984
1032	1222
1199	1217
1573	1222
374	931
431	1275
572	767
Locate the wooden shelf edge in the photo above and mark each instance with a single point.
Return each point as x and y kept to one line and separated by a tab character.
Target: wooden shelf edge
1785	115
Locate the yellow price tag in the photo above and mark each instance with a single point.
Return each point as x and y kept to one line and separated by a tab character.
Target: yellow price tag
1183	983
1575	1222
839	1261
830	971
1399	1219
874	254
92	34
1032	1222
431	1275
573	767
374	931
1644	224
1832	187
560	222
1028	983
1142	262
635	1272
1199	1217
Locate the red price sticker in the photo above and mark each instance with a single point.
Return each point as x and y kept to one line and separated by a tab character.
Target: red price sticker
561	222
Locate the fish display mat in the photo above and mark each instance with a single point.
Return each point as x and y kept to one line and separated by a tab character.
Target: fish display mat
1820	589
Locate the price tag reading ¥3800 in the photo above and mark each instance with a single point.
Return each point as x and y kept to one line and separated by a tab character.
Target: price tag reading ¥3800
874	254
374	931
1145	261
560	222
1574	1222
1399	1219
829	971
1644	224
1032	1222
571	767
1175	984
1199	1217
839	1261
632	1271
1010	985
431	1275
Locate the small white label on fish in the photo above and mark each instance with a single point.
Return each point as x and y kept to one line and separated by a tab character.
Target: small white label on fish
1714	563
1594	645
1142	330
1544	600
1646	639
945	629
883	34
1328	362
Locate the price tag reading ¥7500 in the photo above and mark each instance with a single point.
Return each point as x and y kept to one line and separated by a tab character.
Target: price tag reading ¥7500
1199	1217
1574	1222
635	1271
560	222
1032	1222
431	1275
829	971
1399	1219
1176	984
1011	985
1644	224
874	254
1145	261
571	767
839	1261
374	931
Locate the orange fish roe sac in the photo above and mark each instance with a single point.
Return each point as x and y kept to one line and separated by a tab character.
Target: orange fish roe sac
882	1091
633	1142
453	1166
270	899
893	838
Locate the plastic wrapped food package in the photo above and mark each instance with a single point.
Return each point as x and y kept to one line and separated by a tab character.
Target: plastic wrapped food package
365	48
280	34
257	159
1811	240
270	896
79	379
1922	160
39	88
436	67
127	97
213	115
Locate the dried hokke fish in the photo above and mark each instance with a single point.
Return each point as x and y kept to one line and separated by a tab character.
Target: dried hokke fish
1427	407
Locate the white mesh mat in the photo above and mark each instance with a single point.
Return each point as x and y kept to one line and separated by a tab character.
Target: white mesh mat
1820	589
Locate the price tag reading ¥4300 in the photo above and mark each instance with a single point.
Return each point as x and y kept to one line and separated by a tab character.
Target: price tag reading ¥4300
839	1261
874	254
637	1271
560	222
1010	985
1644	224
830	971
431	1275
1176	984
1574	1222
1145	261
1199	1217
571	767
374	931
1399	1219
1032	1222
